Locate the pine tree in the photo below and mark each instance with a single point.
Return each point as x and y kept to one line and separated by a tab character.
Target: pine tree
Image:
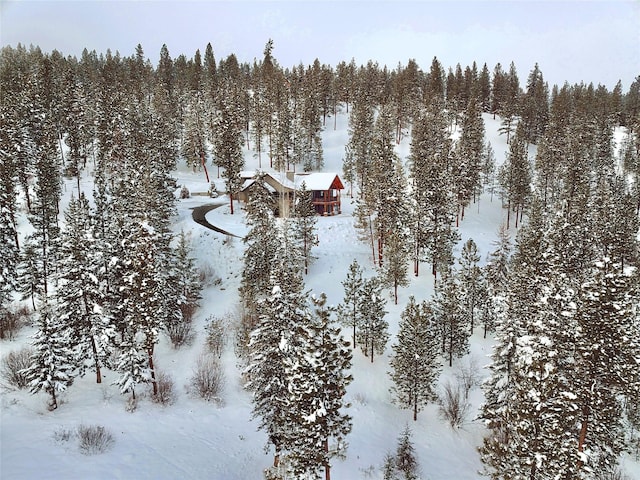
432	197
349	310
139	310
496	270
415	365
9	253
451	318
305	223
394	267
53	363
515	177
373	326
317	377
469	152
472	284
607	349
80	295
274	341
261	245
188	280
227	141
406	462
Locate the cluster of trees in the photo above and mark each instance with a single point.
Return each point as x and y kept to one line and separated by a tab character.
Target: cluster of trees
107	277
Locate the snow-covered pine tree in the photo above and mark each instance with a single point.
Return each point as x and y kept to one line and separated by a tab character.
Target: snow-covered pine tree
80	302
304	224
607	351
515	177
451	318
472	284
139	310
227	145
406	461
318	374
432	193
9	252
273	342
469	152
373	327
188	279
415	363
496	270
53	362
349	309
394	268
261	244
358	148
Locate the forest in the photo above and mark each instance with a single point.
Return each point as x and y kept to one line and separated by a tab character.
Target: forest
103	279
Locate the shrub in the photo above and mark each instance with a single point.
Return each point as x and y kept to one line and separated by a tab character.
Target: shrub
11	321
166	394
454	407
468	376
181	333
94	439
63	435
215	335
13	365
208	378
184	192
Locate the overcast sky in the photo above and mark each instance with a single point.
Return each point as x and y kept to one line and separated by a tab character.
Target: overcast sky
573	41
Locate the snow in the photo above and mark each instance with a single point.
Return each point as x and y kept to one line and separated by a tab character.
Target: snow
195	439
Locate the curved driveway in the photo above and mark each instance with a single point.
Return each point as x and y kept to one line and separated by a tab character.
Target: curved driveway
199	215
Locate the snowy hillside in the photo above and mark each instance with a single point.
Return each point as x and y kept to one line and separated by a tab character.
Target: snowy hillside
194	439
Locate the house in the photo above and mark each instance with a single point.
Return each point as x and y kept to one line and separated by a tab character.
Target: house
324	187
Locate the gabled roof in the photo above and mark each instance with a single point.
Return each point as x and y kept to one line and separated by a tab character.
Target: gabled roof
319	181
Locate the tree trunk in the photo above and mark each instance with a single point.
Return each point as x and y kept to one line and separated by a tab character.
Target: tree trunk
231	202
327	467
204	166
153	373
583	432
94	349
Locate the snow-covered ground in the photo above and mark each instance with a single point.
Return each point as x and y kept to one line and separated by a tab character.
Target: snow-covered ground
193	439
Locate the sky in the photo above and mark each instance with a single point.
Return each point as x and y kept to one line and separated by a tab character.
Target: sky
574	41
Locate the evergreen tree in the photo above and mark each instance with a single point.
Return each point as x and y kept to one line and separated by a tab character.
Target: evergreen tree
394	267
227	141
607	349
515	178
349	309
139	310
305	223
9	253
79	295
469	153
373	326
317	378
406	462
188	280
432	197
497	266
415	365
451	318
273	342
53	364
261	245
535	106
472	283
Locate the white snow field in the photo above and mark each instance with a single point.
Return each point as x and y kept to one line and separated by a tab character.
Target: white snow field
194	439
